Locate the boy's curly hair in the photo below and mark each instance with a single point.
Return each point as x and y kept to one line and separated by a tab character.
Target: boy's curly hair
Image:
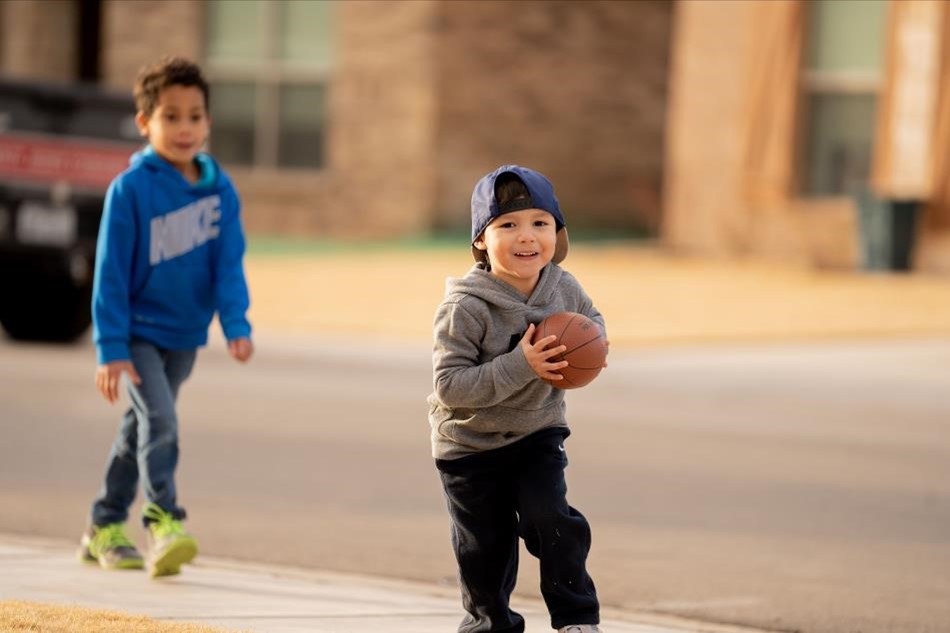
168	71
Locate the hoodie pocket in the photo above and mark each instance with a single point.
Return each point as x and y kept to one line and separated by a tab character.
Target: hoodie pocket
177	294
466	427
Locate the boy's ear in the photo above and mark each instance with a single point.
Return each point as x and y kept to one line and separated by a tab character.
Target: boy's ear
141	122
480	244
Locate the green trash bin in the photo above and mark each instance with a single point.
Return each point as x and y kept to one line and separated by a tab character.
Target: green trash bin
888	230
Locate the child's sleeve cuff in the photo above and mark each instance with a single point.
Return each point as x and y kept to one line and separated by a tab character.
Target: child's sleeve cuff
516	368
110	351
240	328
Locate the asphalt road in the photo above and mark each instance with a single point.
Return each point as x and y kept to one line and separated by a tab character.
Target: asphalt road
786	487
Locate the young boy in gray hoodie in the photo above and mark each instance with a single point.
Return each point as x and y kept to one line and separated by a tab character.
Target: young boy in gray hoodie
498	429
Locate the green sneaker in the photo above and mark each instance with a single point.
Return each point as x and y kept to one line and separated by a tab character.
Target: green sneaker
110	547
169	546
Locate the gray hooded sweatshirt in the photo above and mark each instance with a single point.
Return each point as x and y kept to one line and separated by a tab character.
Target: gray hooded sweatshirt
486	395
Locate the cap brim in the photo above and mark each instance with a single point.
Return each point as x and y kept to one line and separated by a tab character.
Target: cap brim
560	249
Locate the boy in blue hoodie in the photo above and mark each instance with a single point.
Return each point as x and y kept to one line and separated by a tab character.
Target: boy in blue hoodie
498	428
169	257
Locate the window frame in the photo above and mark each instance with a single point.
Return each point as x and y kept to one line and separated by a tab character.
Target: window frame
268	73
813	82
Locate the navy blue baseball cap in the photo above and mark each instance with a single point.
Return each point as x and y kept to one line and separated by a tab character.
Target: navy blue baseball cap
485	207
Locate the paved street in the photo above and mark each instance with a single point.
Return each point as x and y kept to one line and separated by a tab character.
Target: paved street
785	487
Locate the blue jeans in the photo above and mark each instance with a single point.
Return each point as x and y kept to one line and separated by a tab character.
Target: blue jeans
147	443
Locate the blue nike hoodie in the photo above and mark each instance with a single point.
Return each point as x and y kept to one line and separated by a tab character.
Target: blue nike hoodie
169	256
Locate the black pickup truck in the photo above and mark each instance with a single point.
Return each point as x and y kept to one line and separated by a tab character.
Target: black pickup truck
60	147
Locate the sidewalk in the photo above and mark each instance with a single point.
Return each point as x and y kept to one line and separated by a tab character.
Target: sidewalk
267	599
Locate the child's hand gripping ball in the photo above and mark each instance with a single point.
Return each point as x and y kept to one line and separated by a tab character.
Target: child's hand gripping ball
586	350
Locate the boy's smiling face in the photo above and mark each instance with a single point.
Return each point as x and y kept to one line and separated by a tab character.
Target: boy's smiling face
178	126
519	244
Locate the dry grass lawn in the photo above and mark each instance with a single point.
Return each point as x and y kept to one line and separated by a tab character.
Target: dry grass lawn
647	296
31	617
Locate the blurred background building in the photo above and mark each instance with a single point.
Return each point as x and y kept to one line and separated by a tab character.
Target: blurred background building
725	127
781	111
377	118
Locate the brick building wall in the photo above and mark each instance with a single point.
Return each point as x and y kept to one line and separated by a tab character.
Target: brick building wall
709	209
38	39
383	117
139	32
576	90
717	202
419	101
419	93
702	174
376	182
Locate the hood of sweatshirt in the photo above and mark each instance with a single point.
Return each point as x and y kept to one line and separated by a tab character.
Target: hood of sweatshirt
212	178
482	284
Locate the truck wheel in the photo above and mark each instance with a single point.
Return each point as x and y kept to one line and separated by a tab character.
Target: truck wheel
56	317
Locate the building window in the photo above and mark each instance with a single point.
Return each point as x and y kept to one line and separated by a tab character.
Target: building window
269	63
841	80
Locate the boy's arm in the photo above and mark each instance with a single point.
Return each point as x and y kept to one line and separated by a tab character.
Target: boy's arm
459	380
586	307
231	295
113	273
588	310
584	304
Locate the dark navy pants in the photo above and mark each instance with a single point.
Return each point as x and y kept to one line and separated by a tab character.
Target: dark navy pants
146	446
493	498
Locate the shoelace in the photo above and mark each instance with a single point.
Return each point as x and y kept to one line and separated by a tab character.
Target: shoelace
163	523
110	536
